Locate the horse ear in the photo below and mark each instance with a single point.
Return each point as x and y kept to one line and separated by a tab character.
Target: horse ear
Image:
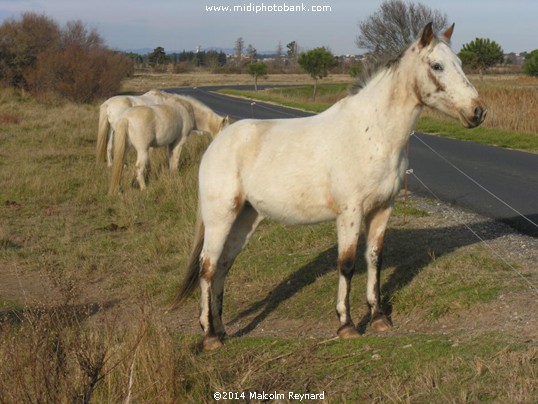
448	33
427	35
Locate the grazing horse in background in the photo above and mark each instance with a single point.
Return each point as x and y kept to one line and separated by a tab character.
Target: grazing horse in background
146	126
110	112
167	124
207	121
345	164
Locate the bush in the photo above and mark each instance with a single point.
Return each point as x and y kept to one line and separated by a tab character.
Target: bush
38	56
481	54
531	63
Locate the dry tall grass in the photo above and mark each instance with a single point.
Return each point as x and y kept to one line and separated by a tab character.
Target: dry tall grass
57	356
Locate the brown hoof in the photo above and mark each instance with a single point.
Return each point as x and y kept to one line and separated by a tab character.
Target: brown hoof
348	332
211	343
381	323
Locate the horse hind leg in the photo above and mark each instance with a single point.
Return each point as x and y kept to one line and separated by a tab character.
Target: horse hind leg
244	226
376	225
142	161
223	240
110	147
174	153
348	229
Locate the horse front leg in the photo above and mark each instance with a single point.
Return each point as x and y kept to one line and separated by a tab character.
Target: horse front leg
376	224
348	229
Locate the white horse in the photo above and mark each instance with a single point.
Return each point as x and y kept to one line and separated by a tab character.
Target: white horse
207	121
167	124
345	164
110	112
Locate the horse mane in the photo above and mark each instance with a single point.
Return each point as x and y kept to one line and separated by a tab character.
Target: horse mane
375	63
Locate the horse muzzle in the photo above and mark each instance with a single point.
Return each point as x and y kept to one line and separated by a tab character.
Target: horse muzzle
476	118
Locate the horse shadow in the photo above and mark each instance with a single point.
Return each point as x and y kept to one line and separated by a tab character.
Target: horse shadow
408	250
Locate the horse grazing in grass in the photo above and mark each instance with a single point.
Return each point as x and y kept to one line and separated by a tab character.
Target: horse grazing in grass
167	124
345	164
110	112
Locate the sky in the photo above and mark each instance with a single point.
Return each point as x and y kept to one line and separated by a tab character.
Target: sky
178	25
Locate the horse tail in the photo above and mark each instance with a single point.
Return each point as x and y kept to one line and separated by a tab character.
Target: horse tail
192	276
102	133
120	146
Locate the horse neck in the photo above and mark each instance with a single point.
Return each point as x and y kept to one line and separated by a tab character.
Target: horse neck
392	103
206	120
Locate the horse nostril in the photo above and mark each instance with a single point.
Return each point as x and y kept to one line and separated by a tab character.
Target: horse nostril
479	114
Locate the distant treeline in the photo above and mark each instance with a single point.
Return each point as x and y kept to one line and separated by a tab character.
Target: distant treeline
210	59
220	62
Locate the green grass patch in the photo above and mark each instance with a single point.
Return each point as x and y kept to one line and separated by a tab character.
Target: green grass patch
488	136
296	97
445	287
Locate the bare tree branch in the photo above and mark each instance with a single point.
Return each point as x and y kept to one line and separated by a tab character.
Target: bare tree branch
395	25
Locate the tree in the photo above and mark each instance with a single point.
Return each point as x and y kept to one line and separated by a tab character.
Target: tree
395	25
238	48
157	57
22	43
257	69
212	59
531	63
317	63
37	55
292	52
481	54
252	52
278	54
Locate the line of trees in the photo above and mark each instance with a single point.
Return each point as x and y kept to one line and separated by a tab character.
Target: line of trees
159	59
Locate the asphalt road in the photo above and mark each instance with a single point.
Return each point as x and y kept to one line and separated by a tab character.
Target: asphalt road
498	183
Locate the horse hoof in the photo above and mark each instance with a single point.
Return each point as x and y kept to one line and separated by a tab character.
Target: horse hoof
348	332
211	343
381	323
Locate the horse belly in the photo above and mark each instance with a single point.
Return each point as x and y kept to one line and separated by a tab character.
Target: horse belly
166	134
292	206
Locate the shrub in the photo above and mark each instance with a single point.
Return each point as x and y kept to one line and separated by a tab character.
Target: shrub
531	63
39	56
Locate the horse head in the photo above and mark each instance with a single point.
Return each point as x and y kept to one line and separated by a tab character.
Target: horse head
440	82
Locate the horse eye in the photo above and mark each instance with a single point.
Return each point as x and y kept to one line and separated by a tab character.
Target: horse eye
437	67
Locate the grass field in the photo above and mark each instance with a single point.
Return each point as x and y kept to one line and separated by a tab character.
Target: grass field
86	278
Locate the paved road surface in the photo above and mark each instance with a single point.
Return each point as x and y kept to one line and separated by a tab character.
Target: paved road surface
454	170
